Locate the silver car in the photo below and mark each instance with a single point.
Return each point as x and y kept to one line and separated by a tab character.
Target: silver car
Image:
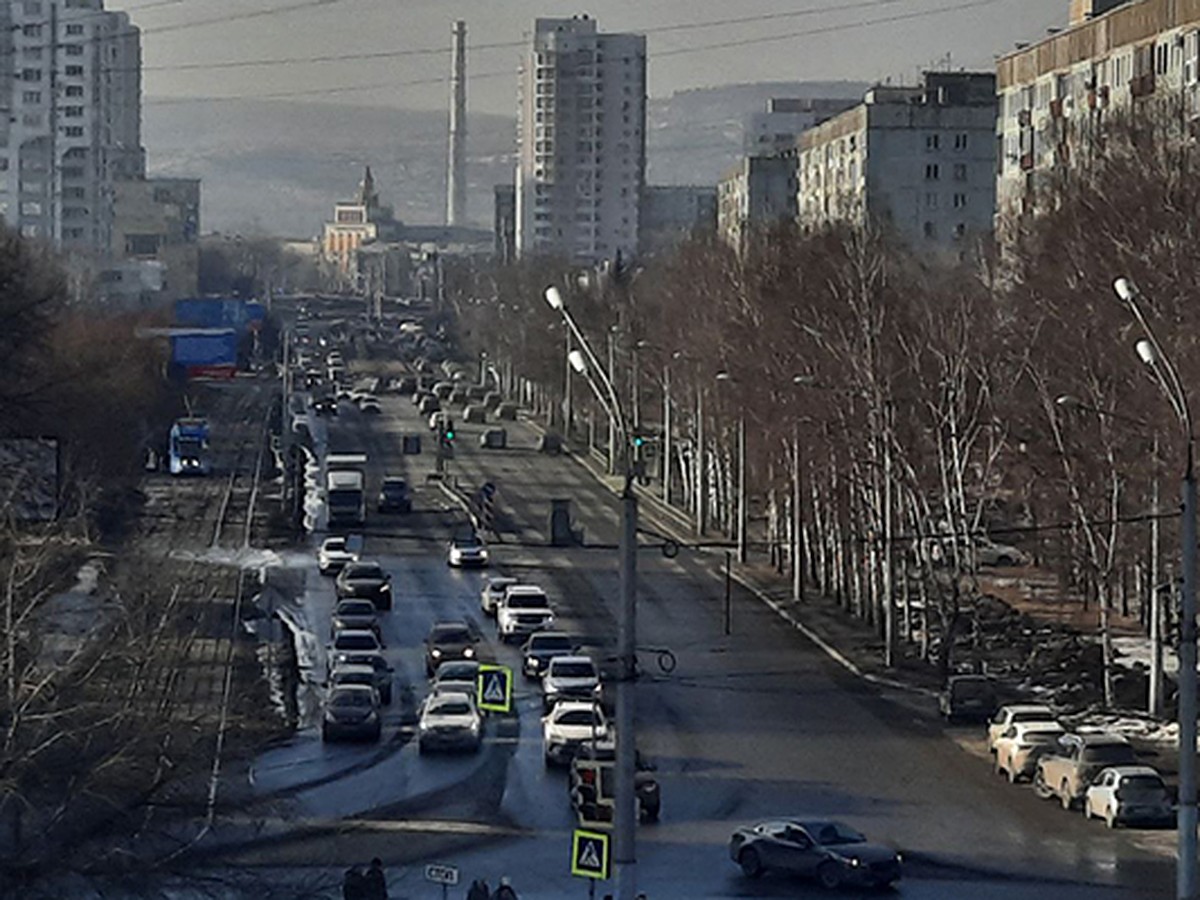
832	853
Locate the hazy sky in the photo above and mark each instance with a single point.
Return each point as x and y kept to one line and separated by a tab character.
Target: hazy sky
196	48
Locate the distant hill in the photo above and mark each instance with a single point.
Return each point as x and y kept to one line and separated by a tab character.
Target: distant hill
277	167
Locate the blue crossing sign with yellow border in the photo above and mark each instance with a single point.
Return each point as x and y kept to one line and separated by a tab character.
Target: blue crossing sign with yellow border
589	854
494	688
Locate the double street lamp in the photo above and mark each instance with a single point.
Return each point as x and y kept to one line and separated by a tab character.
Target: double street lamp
583	360
1167	377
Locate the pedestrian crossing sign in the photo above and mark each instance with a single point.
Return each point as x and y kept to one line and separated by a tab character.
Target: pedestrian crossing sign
494	688
589	854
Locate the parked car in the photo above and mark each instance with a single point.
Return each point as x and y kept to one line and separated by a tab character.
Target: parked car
365	579
832	853
447	641
449	721
1021	745
373	660
493	439
568	725
1125	795
968	698
394	496
1007	716
428	405
335	553
570	678
541	648
352	712
355	614
524	610
1068	771
493	593
467	550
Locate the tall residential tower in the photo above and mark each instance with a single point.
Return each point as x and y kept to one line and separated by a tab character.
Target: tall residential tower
70	95
581	142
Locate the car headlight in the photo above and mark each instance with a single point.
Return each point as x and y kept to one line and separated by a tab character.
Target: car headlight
424	726
386	588
469	652
852	862
435	653
483	554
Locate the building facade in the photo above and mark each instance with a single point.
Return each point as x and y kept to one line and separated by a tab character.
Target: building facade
156	229
759	192
581	142
672	213
919	161
776	130
504	222
356	222
1057	95
71	92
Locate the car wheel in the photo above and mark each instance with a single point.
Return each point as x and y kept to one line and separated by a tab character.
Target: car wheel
997	767
1065	797
1039	785
751	865
1110	818
829	874
1006	561
547	761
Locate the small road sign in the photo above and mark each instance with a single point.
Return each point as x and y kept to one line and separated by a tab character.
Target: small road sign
589	854
488	490
440	873
494	689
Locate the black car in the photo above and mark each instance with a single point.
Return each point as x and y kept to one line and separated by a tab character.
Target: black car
447	641
383	672
832	853
365	580
543	647
394	496
325	406
968	698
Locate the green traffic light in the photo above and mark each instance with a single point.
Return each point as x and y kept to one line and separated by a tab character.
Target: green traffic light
449	435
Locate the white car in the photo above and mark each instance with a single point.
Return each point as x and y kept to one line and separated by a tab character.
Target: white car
1019	746
524	610
567	726
335	552
493	593
449	721
436	419
1010	715
570	678
467	550
370	406
1126	794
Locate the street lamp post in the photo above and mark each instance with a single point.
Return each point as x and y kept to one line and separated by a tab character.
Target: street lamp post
584	361
1167	377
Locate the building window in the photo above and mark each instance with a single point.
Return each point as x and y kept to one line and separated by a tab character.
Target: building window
1162	59
960	141
74	29
73	112
932	141
931	201
74	71
960	201
31	31
31	74
74	90
73	131
960	230
31	120
931	172
960	171
31	97
930	230
73	49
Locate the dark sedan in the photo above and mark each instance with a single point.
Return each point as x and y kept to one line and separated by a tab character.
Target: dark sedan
365	580
394	496
449	641
543	647
832	853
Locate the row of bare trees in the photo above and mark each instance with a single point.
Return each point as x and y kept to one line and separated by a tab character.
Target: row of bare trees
910	406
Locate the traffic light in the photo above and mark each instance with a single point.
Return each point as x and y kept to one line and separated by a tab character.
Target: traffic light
449	433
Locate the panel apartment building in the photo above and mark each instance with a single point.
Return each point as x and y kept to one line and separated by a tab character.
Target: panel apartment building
70	98
918	160
581	142
1056	95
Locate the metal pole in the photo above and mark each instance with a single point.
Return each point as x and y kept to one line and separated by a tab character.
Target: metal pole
798	562
666	443
625	815
567	388
728	593
1186	873
1155	704
741	502
612	427
889	608
701	474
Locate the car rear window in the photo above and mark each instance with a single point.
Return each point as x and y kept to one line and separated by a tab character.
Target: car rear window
350	698
364	570
356	642
1042	737
1031	716
451	636
1111	754
1142	783
572	670
544	642
452	708
578	717
356	608
527	601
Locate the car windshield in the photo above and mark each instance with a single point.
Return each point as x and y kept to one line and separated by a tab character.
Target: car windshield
351	699
363	641
457	671
573	670
335	544
394	487
550	642
830	833
466	543
1111	754
1031	715
374	660
579	717
356	608
526	601
451	635
367	678
452	708
971	689
364	570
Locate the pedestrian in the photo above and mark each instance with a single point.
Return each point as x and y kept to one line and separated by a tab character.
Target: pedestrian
375	882
353	887
479	890
505	890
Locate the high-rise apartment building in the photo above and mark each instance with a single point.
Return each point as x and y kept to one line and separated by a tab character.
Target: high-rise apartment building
70	119
774	131
581	141
1058	96
920	161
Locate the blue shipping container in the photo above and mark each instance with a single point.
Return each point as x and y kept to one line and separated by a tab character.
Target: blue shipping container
212	312
205	348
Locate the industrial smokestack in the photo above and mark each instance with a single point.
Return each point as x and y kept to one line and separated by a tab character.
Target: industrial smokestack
456	181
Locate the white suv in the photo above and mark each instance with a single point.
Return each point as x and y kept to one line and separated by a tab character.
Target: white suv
570	678
336	551
523	611
569	725
493	593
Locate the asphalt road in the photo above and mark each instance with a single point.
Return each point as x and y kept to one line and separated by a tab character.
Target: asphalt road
756	724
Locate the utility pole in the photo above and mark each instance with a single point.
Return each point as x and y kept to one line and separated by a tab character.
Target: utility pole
1155	700
666	446
1186	872
742	514
798	561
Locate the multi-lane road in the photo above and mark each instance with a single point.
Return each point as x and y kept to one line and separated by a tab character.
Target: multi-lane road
750	725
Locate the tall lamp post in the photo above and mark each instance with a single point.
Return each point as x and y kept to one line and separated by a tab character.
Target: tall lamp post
726	378
1167	378
583	361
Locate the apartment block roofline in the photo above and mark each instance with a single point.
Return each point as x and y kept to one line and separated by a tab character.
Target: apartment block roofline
1132	22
